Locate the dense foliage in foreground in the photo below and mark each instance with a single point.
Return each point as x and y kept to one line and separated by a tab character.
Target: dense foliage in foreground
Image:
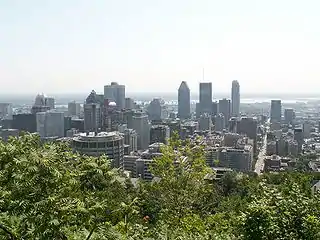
48	192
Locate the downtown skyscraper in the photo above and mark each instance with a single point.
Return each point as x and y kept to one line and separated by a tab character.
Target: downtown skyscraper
205	98
224	109
184	101
275	111
235	99
117	93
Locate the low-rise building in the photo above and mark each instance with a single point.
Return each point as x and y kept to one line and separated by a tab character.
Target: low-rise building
110	144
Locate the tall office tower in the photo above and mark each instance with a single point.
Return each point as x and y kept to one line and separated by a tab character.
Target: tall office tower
154	110
205	122
117	93
233	122
39	104
184	101
93	112
141	124
198	110
214	108
67	124
93	97
307	128
219	123
74	109
41	123
50	102
50	124
131	139
78	124
235	99
159	134
129	103
275	111
298	136
289	115
224	108
249	127
205	97
92	117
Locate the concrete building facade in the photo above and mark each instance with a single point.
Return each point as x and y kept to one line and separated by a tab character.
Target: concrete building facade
50	124
110	144
141	124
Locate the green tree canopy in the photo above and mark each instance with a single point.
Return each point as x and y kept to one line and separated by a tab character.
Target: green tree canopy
49	192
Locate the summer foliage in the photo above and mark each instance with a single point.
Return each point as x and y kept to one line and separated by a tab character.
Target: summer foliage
49	192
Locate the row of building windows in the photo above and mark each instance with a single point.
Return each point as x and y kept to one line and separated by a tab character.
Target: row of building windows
112	144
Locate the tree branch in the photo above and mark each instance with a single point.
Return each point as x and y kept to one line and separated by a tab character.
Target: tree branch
91	232
7	231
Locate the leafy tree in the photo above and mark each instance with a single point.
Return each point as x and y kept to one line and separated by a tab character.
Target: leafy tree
182	188
48	192
281	215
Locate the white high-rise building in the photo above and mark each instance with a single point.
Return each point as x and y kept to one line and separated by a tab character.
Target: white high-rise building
117	93
50	124
141	124
235	99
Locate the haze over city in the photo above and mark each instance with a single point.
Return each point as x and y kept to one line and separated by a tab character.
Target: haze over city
151	46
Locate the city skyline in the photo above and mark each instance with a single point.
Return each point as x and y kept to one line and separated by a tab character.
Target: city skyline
76	46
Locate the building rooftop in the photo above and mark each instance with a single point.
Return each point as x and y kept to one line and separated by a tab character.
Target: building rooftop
94	136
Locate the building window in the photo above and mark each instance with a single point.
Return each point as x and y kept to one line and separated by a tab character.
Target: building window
101	145
92	145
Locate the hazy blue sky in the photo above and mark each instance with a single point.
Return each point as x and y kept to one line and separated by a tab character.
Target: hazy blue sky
152	45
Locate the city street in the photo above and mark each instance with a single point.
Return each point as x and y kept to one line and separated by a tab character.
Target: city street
260	160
